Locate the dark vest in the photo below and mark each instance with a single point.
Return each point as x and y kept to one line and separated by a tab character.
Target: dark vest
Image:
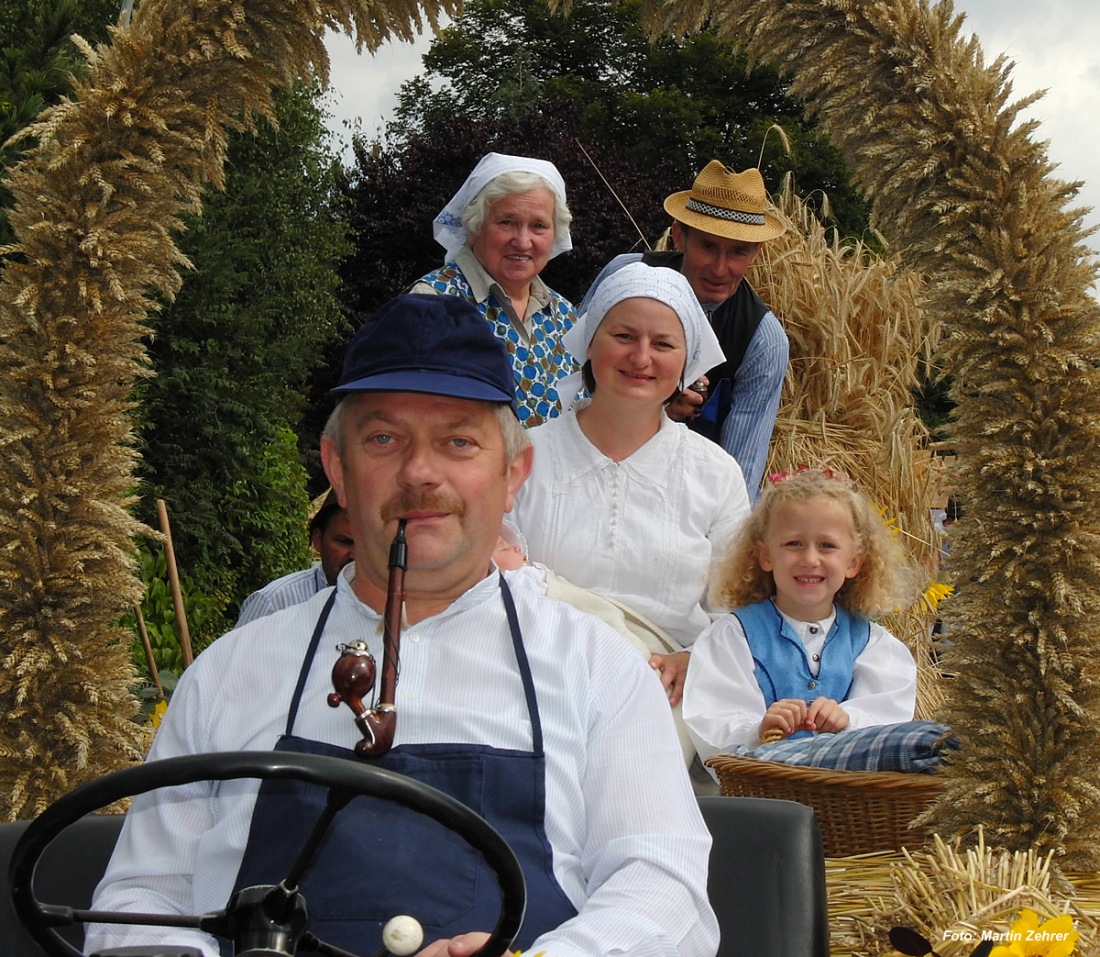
734	322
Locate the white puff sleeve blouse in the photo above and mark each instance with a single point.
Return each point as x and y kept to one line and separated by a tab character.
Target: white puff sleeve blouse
644	531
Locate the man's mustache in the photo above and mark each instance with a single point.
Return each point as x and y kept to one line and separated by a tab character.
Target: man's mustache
410	502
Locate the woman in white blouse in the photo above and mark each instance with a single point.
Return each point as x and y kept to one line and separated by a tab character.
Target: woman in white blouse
621	499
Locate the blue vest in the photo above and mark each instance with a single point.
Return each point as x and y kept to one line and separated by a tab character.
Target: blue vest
782	667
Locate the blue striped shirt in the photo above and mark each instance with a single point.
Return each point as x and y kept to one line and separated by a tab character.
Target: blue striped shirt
289	590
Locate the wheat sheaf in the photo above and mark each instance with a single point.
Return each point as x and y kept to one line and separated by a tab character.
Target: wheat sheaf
960	188
96	206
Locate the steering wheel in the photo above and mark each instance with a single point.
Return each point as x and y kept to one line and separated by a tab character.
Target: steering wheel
344	779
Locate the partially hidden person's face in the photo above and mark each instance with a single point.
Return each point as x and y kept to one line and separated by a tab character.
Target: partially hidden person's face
638	351
713	265
507	556
810	548
516	238
335	544
437	462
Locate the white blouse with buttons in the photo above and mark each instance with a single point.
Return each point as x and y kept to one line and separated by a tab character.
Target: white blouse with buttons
645	531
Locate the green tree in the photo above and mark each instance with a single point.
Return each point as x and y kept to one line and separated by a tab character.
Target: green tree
232	354
682	101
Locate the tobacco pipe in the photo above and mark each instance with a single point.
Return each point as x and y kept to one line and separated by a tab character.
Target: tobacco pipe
354	672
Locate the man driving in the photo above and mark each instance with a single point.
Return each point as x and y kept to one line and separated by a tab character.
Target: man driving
531	712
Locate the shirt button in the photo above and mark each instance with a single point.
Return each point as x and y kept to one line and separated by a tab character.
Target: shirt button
813	629
817	657
812	684
415	639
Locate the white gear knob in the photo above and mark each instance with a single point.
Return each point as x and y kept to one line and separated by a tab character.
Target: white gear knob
402	935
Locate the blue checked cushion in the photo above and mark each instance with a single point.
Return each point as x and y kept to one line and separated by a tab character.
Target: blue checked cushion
912	746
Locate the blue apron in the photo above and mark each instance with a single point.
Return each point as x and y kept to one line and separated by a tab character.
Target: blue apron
379	860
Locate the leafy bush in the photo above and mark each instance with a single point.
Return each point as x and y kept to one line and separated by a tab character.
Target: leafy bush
159	613
218	424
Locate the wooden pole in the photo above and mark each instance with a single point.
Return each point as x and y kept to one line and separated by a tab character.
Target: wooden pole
143	631
174	582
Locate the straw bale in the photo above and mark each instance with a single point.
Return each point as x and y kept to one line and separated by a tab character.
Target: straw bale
946	889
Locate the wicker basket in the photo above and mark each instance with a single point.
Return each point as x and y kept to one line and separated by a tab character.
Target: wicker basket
859	811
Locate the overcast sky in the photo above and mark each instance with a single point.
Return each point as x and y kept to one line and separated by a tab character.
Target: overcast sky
1053	43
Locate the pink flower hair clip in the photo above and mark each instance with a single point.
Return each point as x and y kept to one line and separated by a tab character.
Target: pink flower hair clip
777	478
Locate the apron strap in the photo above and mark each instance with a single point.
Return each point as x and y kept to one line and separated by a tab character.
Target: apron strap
517	645
524	665
303	673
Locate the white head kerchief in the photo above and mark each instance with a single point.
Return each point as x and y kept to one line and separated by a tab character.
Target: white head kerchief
510	532
636	280
447	227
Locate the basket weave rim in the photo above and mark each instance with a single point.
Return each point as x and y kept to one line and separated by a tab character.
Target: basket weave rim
824	777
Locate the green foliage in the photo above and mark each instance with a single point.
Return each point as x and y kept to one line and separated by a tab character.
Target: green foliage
272	518
151	703
934	405
683	102
158	611
22	20
233	353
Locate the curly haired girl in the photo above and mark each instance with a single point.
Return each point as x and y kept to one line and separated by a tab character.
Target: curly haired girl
798	654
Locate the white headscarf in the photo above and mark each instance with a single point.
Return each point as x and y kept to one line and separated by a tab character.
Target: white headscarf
636	280
510	532
447	227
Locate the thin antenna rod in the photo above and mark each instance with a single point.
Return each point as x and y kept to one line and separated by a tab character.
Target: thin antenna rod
611	190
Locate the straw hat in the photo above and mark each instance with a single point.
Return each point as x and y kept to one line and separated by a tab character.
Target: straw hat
725	203
320	508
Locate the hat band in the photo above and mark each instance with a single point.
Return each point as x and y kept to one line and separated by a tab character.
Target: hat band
720	212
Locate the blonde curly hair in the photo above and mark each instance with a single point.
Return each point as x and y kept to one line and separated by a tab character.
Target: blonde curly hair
887	579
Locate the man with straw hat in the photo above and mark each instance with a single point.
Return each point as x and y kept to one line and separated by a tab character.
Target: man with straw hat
332	542
720	224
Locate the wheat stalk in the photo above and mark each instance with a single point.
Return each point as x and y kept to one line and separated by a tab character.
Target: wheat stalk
97	203
965	195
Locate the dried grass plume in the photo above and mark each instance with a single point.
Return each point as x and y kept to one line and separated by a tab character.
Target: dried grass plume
97	203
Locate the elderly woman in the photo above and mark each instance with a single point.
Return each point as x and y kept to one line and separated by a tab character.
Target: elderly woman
621	499
500	230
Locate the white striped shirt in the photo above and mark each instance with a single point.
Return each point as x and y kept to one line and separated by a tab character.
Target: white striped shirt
630	847
289	590
754	401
